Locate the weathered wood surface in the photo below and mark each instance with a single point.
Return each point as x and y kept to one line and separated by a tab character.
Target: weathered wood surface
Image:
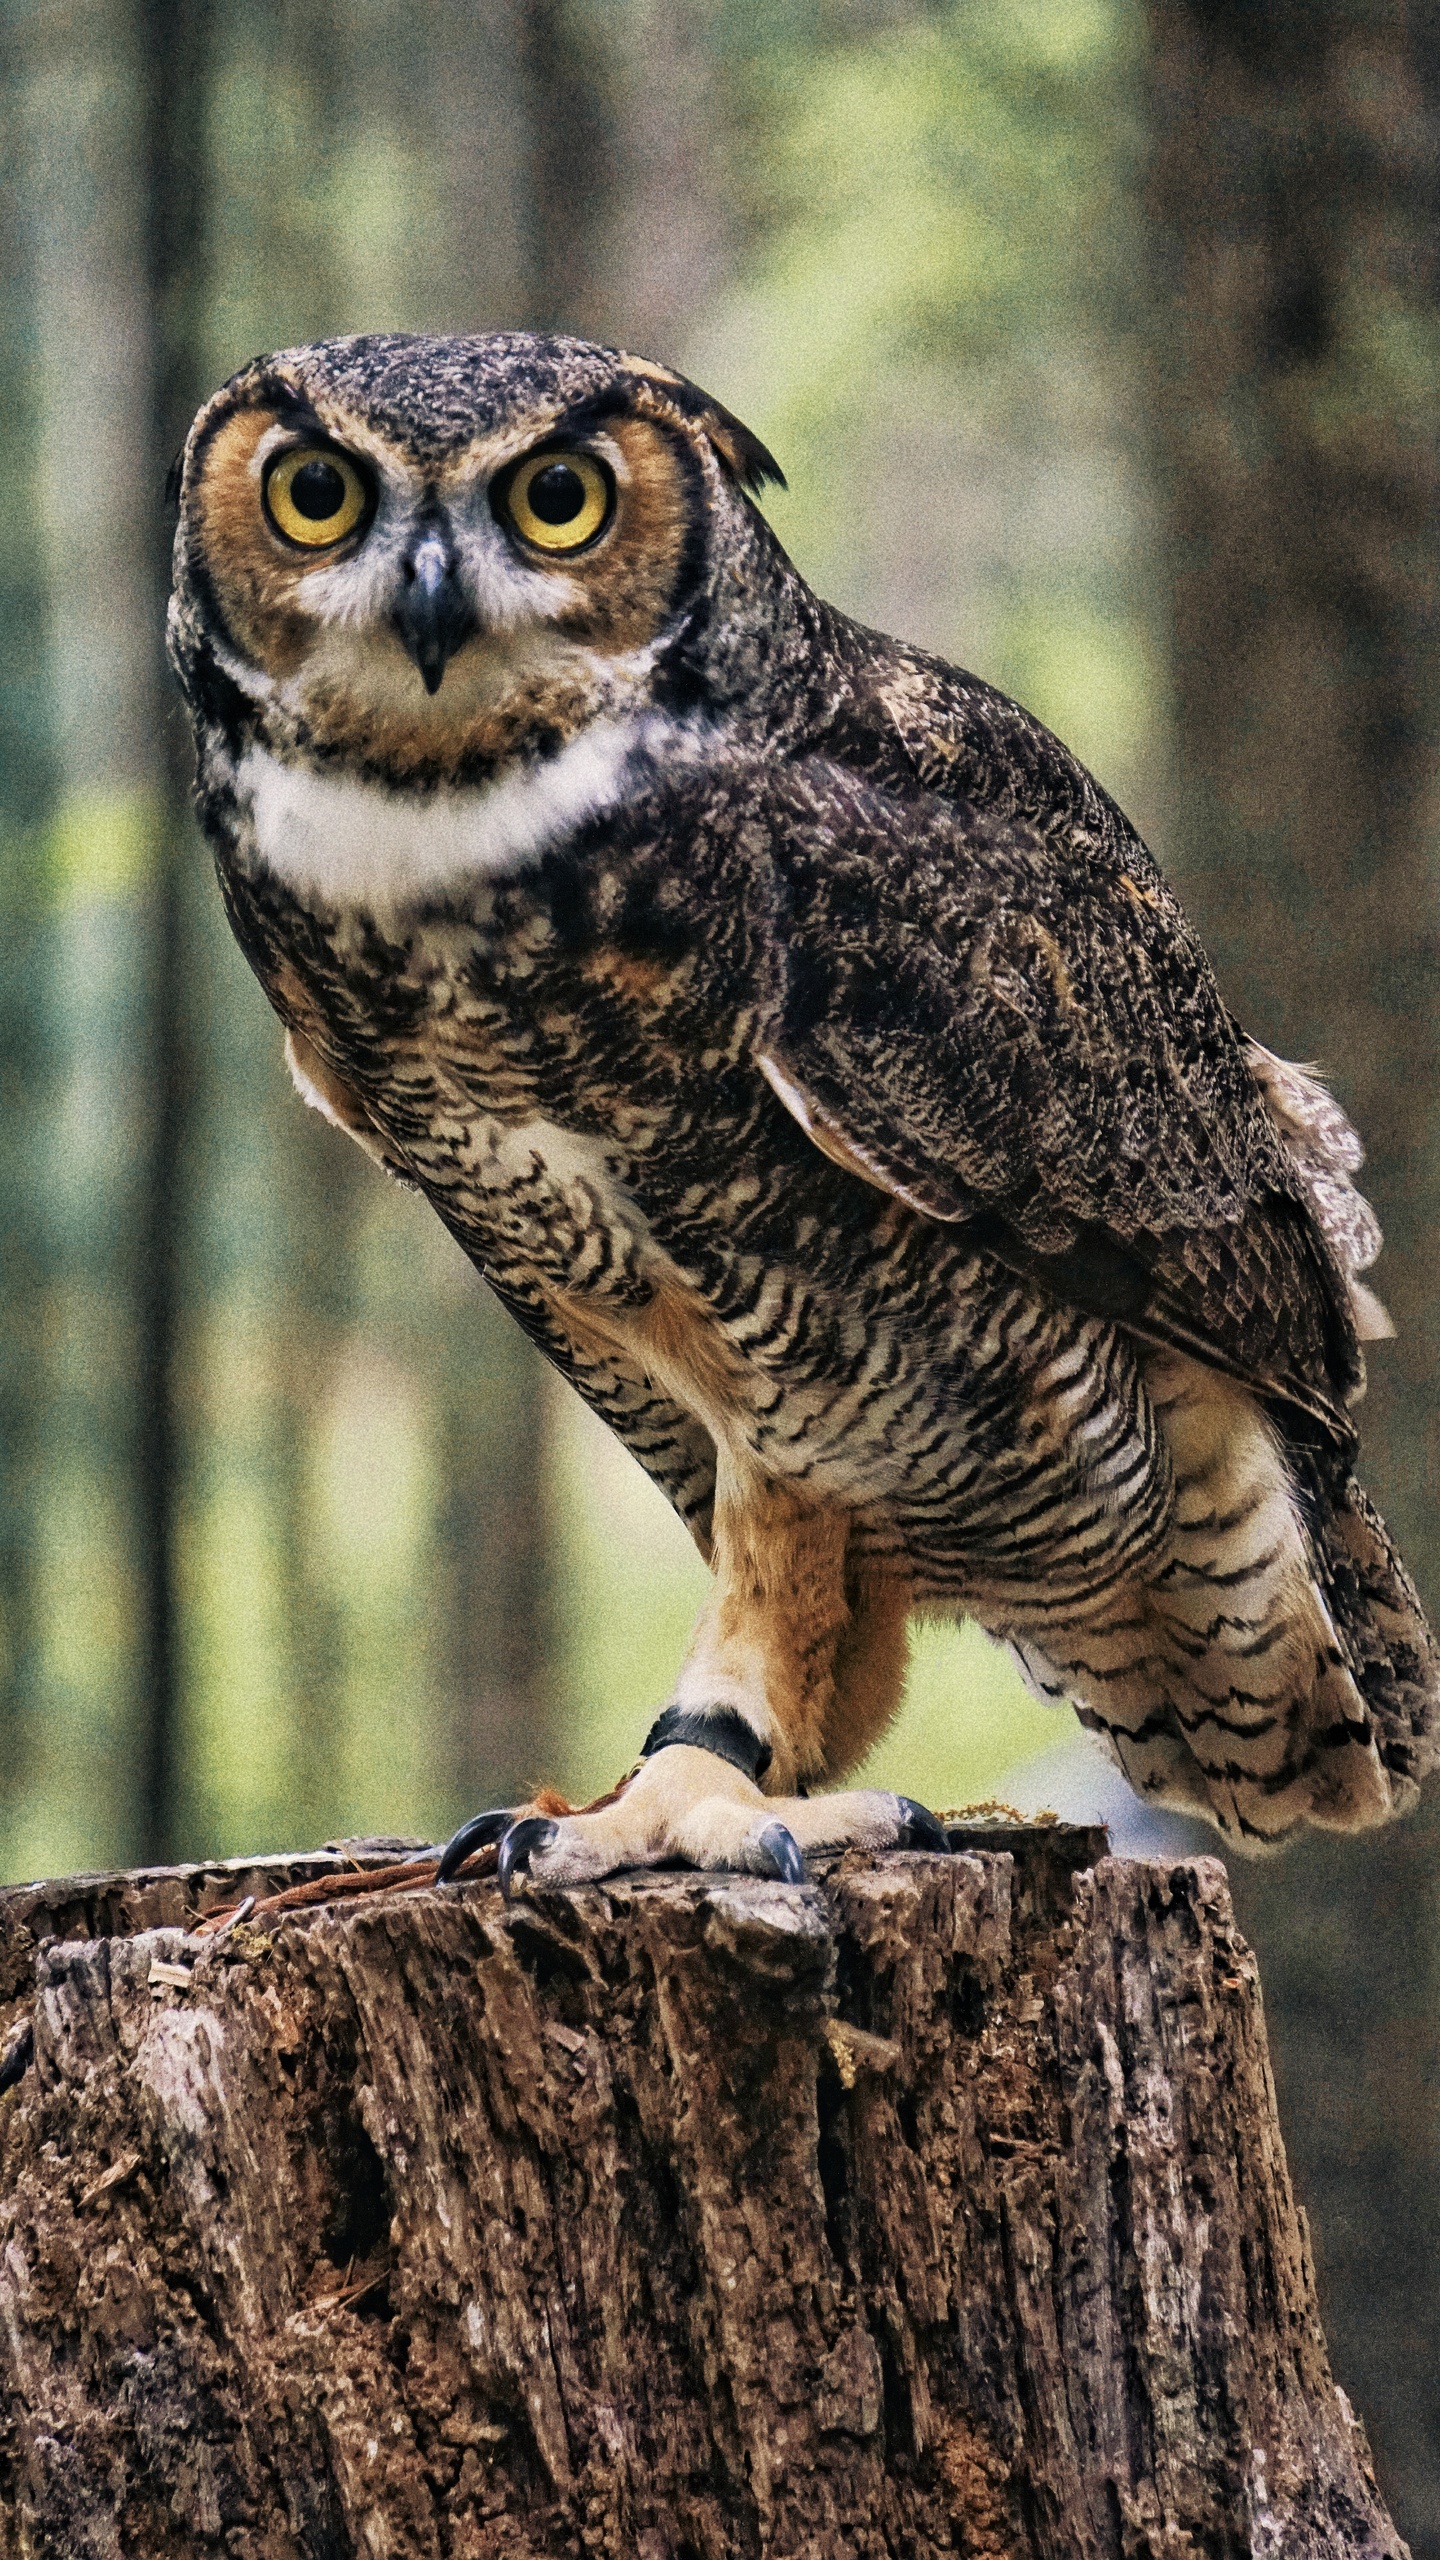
937	2207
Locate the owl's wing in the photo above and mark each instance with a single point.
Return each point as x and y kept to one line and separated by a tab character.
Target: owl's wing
1013	1027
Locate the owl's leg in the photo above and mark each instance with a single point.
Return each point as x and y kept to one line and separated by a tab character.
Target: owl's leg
794	1667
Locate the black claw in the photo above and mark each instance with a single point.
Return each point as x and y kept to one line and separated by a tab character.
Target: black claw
919	1828
778	1854
479	1833
18	2056
520	1843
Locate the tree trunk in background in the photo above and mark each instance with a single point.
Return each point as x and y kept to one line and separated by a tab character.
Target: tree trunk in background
939	2206
570	162
1294	202
632	183
495	1523
173	69
91	865
25	780
480	113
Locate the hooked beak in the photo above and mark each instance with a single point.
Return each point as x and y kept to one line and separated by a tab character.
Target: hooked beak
433	614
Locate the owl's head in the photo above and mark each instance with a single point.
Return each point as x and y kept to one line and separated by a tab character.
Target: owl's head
429	553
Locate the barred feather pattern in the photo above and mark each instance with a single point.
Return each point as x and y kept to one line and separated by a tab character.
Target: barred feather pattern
1125	1518
1292	1674
1221	1683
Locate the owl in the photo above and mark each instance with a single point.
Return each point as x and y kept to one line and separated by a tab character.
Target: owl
815	1063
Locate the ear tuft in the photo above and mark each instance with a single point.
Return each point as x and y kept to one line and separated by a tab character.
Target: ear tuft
744	456
742	453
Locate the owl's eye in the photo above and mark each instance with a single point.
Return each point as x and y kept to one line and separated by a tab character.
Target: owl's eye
559	501
315	496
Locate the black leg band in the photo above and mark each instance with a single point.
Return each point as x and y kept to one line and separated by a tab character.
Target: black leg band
717	1729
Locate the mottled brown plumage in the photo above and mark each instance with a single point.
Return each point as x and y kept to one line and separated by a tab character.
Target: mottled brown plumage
815	1061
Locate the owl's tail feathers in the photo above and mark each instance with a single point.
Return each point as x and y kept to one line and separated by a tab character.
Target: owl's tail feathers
1273	1669
1390	1647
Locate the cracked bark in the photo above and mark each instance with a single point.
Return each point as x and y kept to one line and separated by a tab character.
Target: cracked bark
937	2207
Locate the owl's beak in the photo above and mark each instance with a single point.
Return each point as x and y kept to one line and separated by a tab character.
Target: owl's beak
433	614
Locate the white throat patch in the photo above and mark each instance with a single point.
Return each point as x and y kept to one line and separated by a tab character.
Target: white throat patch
355	843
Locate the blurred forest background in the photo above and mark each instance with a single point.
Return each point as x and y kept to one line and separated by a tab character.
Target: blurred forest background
1099	342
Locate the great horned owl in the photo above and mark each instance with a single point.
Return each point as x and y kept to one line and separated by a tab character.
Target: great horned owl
815	1062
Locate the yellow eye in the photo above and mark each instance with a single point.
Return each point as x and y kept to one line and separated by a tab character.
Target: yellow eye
559	501
315	496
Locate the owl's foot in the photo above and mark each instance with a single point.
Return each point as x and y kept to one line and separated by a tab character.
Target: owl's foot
694	1802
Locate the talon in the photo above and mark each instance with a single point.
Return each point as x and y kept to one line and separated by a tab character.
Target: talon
480	1832
519	1844
919	1828
19	2053
777	1853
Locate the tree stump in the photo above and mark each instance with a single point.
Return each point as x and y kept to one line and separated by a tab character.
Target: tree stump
938	2206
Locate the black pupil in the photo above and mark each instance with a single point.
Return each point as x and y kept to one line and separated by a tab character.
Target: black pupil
317	491
556	494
